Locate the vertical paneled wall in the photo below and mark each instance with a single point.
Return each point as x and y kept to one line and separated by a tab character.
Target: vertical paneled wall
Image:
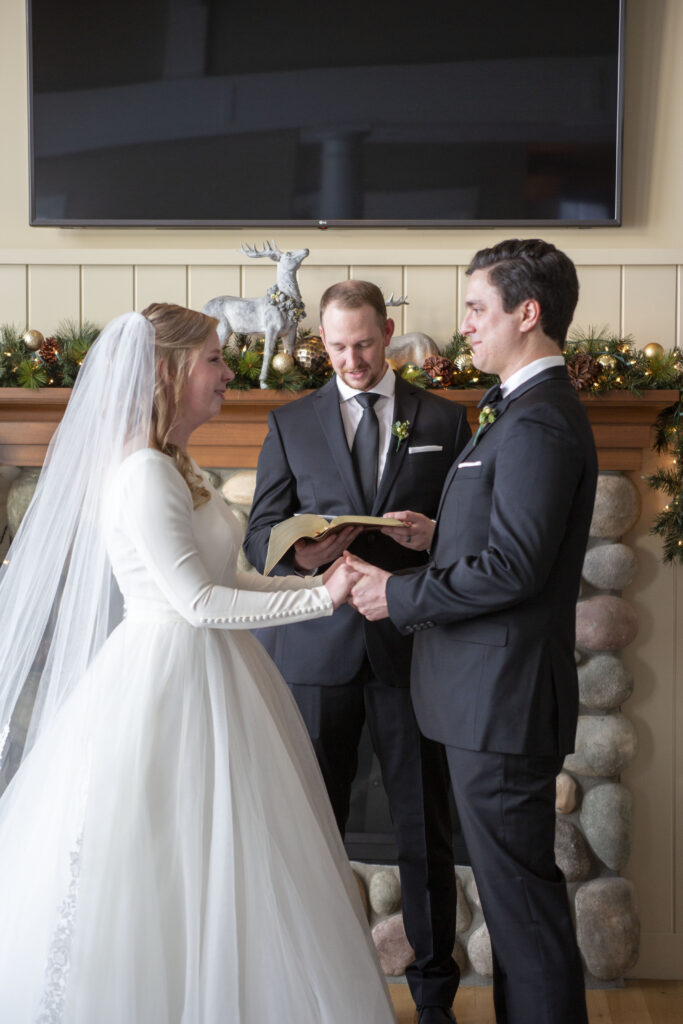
642	301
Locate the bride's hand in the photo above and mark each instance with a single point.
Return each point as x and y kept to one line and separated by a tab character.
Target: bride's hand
339	578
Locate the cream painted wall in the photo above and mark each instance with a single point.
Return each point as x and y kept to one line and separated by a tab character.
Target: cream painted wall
630	281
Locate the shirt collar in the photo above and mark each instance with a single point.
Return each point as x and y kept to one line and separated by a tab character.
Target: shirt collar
529	371
385	387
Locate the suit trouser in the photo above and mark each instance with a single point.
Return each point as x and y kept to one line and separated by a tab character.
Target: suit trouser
415	777
506	804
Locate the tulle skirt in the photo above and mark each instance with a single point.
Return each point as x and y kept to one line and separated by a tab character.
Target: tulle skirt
168	854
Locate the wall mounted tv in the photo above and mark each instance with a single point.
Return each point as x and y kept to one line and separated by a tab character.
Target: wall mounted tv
206	113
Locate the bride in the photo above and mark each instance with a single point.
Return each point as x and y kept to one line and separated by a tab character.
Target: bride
167	851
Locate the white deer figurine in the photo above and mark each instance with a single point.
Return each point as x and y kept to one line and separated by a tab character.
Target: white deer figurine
275	315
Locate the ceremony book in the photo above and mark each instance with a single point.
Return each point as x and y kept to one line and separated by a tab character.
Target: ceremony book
315	527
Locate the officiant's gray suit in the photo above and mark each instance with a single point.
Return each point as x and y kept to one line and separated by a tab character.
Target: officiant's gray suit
344	670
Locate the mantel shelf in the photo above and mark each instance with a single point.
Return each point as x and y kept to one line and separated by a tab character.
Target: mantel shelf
621	422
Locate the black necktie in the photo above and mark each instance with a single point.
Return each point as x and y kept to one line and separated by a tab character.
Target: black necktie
492	397
365	448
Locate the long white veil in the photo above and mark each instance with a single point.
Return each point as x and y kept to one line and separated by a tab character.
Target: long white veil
58	598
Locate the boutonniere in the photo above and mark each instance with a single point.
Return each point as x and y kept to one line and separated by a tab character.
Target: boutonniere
400	430
487	416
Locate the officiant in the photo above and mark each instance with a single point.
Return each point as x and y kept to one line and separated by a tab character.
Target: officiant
367	443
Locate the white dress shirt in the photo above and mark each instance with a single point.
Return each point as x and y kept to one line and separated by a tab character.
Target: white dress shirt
351	412
527	372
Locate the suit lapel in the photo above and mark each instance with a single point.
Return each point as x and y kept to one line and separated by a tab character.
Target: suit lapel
406	407
326	403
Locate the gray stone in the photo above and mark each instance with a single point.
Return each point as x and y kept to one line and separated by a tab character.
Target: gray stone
239	488
572	854
19	498
606	821
463	914
460	957
362	892
385	891
604	745
607	927
565	793
213	477
479	951
393	949
604	682
617	507
610	566
473	894
605	623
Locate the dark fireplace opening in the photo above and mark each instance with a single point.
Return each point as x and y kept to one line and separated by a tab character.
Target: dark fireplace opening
369	831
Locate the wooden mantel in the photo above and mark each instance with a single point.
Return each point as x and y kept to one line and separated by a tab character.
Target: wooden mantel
621	424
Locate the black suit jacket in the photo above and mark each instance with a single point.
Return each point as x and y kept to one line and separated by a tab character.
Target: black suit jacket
494	611
305	466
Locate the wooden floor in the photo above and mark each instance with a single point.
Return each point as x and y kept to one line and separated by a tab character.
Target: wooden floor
639	1002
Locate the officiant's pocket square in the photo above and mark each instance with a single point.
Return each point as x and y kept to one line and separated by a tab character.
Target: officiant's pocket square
471	469
425	448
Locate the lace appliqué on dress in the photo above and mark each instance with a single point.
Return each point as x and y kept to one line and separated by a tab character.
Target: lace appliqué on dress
59	956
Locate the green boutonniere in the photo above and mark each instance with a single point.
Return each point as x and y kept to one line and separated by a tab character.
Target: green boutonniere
487	416
400	430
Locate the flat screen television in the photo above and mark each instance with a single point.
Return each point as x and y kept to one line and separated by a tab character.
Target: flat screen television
206	113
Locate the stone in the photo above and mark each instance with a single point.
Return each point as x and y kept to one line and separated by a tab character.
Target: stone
606	821
607	927
479	951
412	348
385	891
616	508
604	682
460	957
604	745
473	894
19	498
463	913
393	949
362	892
610	566
214	478
605	623
565	793
572	854
239	488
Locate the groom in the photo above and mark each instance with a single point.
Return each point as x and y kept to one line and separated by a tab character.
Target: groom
493	614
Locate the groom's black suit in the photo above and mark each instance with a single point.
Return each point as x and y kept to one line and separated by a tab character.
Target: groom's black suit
494	674
343	669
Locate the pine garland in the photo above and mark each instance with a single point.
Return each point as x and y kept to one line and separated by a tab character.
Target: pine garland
668	523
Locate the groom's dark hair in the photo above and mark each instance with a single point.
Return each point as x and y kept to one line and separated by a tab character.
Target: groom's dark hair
533	269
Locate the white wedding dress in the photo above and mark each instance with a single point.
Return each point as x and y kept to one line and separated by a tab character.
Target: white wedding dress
167	851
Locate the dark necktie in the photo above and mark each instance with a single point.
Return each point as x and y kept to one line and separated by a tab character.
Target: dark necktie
492	397
365	448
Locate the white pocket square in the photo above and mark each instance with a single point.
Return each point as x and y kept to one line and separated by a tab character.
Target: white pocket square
467	465
425	448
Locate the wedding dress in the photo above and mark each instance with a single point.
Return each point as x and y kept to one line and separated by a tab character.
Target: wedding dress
167	850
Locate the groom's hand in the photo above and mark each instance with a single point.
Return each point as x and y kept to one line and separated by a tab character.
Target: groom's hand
369	594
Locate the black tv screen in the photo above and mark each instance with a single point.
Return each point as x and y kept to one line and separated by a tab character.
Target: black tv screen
217	113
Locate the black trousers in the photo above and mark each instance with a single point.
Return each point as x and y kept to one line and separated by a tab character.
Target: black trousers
506	804
415	777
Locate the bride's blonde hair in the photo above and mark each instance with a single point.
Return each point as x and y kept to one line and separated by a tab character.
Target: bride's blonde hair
179	332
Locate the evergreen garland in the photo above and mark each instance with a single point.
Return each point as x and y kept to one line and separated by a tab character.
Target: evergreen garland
668	523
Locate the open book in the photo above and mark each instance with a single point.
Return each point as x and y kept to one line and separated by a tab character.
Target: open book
315	527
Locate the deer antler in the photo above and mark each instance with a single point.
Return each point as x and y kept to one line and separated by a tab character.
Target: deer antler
269	249
402	300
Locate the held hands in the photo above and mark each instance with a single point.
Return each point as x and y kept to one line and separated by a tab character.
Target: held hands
339	578
416	534
369	594
309	554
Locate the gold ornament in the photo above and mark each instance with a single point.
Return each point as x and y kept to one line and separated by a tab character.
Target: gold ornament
282	362
607	361
33	340
310	354
463	362
392	364
654	350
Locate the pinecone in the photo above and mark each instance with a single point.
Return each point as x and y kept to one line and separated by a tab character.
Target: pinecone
49	351
583	371
440	369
